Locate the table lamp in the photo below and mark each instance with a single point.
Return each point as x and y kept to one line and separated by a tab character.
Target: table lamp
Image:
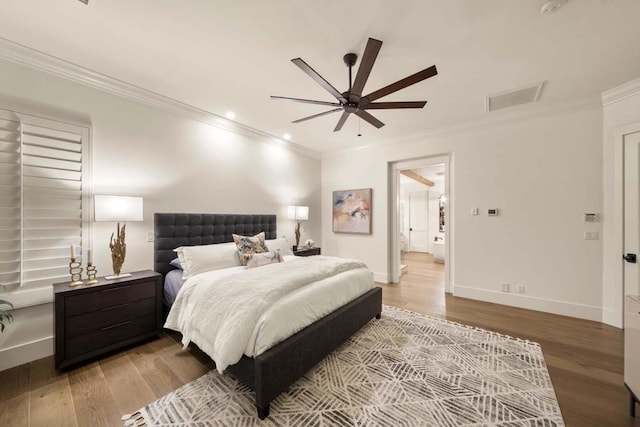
117	209
298	213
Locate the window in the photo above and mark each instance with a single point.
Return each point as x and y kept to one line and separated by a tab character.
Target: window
43	198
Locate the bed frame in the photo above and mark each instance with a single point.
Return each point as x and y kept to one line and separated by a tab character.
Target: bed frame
272	372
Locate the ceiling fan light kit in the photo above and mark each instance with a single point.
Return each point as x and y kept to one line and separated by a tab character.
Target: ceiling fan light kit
352	101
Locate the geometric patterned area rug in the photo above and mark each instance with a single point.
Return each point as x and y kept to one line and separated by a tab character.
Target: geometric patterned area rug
406	369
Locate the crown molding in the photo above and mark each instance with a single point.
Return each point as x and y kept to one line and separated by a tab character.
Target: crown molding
40	61
481	123
621	92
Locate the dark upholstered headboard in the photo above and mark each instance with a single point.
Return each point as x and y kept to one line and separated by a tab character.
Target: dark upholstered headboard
191	229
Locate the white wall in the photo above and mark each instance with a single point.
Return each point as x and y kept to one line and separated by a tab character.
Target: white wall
622	108
176	164
542	173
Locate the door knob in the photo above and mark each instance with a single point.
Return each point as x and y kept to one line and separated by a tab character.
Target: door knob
630	258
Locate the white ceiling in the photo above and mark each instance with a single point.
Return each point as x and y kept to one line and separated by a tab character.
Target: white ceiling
231	55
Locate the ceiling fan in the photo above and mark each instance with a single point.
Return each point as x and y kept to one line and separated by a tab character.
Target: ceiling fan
352	100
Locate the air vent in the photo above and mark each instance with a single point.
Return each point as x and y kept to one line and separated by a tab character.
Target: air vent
513	97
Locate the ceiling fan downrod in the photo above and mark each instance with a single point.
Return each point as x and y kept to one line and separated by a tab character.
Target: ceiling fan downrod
350	60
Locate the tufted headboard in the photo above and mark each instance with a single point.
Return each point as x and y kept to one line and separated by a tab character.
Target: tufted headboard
192	229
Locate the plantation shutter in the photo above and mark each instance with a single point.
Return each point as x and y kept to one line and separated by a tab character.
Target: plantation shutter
10	218
52	212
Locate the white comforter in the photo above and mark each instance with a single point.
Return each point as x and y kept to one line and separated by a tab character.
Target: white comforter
221	315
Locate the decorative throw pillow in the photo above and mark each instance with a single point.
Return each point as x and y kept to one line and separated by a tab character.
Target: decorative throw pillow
263	258
176	263
199	259
281	245
249	245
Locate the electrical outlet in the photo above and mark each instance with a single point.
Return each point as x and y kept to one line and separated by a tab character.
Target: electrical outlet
521	289
505	287
150	236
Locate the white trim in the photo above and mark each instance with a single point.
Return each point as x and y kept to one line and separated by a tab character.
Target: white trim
610	317
564	308
621	92
381	277
615	315
25	353
393	183
28	57
25	297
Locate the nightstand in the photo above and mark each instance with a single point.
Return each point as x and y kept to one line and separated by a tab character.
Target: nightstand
93	320
307	252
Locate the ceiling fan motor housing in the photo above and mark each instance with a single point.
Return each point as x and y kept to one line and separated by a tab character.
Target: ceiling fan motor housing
350	59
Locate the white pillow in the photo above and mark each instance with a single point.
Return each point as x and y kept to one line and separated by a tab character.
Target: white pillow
198	259
281	245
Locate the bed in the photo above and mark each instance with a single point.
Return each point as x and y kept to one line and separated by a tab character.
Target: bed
274	370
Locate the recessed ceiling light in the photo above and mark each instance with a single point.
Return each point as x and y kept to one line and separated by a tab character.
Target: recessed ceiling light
287	136
552	6
230	115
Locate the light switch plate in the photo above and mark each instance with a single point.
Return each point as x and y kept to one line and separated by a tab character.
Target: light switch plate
150	236
475	211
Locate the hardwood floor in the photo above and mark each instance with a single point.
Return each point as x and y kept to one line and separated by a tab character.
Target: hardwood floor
585	360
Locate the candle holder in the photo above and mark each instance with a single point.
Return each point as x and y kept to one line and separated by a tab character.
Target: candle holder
91	274
75	269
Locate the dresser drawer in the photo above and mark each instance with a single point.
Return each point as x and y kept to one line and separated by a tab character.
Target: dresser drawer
96	320
108	298
107	335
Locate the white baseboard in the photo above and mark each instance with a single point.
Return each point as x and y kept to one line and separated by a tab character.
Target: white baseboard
564	308
611	318
381	277
24	353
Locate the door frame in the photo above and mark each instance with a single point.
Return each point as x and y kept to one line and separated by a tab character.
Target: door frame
394	210
614	315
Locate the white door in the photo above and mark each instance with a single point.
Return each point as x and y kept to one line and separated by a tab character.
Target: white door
631	213
419	221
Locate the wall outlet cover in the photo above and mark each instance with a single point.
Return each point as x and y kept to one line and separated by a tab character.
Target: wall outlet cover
505	287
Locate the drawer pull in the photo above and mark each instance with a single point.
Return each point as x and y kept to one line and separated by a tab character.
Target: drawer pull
116	289
114	307
117	325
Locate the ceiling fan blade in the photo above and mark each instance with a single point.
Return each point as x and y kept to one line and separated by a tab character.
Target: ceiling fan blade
366	64
317	115
343	118
369	118
318	78
391	105
306	101
401	84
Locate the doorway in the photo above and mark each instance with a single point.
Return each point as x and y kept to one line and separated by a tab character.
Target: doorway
420	219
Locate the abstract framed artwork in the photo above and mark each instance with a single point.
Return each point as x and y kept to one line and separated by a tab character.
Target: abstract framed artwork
352	211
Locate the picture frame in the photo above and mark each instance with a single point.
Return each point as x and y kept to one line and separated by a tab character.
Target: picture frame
352	211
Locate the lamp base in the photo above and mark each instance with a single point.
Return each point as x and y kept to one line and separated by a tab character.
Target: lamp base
120	276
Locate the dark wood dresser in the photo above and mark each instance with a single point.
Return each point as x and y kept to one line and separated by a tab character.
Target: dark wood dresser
92	320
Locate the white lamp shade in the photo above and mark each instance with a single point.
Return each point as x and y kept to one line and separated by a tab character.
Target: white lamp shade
299	213
117	208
